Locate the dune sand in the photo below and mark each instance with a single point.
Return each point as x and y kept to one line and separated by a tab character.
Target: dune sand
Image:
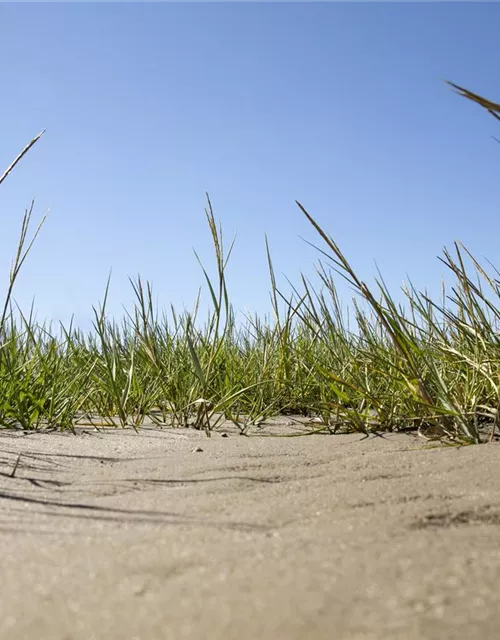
119	535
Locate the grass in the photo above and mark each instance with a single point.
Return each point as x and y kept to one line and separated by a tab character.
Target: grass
426	364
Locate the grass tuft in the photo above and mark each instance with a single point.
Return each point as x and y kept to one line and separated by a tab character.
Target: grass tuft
431	365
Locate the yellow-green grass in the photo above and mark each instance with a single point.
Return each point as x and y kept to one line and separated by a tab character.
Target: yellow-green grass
381	366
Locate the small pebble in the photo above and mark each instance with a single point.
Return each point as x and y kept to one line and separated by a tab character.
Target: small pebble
197	450
224	435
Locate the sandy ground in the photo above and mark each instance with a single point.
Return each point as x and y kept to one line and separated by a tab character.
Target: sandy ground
139	536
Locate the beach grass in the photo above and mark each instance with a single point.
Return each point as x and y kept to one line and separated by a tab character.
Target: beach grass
431	365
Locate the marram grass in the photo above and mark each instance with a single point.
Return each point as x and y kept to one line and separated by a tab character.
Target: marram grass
431	365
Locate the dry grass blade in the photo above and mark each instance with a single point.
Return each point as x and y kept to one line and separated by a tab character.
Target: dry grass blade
13	472
20	156
491	107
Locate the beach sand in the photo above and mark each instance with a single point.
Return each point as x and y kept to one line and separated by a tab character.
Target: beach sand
118	535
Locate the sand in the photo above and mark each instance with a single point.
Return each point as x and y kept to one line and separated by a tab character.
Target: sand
120	535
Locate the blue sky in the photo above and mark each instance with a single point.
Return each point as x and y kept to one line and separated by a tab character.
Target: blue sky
148	105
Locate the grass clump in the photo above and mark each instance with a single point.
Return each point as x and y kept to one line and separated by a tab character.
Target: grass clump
426	364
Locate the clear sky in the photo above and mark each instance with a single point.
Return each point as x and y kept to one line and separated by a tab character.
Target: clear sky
149	105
